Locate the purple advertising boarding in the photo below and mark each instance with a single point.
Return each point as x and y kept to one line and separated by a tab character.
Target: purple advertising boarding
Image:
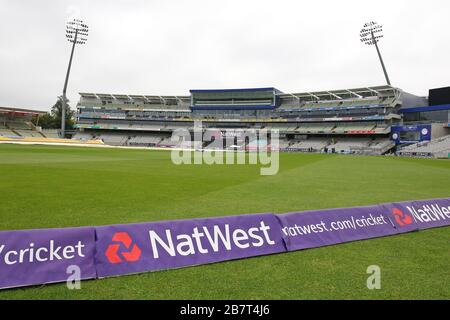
419	215
30	257
134	248
313	229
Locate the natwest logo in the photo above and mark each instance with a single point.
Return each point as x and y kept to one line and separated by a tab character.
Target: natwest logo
132	253
402	219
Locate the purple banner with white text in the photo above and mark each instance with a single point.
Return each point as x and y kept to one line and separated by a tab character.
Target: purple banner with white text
313	229
134	248
30	257
419	215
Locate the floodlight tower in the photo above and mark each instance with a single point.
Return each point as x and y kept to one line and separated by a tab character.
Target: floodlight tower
76	33
370	34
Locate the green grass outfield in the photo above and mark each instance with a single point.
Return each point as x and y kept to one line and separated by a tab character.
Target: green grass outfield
46	187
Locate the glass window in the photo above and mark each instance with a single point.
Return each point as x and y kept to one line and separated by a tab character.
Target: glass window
411	116
440	116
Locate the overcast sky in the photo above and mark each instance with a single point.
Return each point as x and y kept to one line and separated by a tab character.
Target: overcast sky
167	47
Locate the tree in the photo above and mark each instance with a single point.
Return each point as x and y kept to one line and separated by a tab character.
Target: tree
46	122
52	120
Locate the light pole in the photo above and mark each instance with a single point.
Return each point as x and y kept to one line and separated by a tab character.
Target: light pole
370	34
76	33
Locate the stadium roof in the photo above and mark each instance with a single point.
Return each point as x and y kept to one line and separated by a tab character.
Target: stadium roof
327	95
131	97
363	92
21	111
343	94
426	108
237	90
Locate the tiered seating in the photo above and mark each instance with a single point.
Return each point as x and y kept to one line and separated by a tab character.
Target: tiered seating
29	133
144	140
348	104
282	128
20	129
18	125
168	143
382	128
103	115
50	133
315	128
343	145
348	145
382	145
310	145
362	127
342	104
114	139
84	136
152	127
349	127
435	148
292	128
283	144
137	126
7	133
324	119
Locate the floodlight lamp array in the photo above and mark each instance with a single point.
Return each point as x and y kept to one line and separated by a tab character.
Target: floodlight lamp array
77	31
371	33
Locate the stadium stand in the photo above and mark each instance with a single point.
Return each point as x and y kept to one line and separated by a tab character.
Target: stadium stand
438	148
145	140
16	126
49	133
167	142
7	133
15	122
28	133
283	144
310	145
83	136
112	138
348	145
342	121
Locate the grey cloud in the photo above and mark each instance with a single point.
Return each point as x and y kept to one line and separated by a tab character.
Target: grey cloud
169	47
